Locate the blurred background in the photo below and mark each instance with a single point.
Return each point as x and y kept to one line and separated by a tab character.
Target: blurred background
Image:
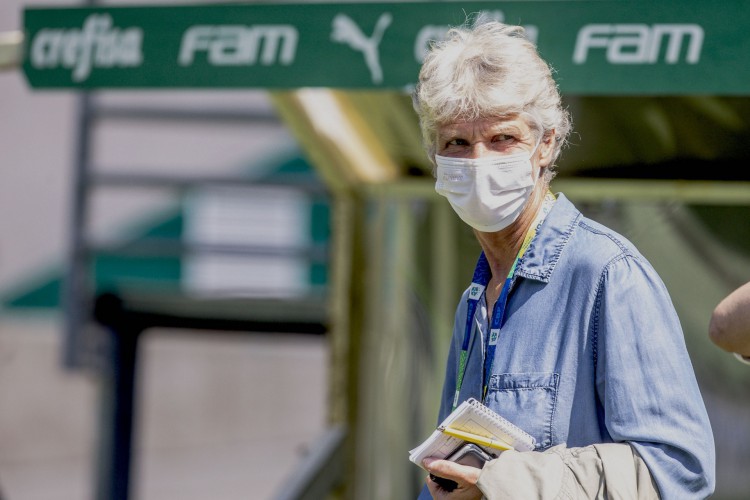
220	414
289	301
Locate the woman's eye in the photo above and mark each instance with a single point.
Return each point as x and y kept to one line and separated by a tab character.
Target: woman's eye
458	142
502	138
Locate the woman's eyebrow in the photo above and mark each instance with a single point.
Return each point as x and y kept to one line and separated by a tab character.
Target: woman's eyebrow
505	128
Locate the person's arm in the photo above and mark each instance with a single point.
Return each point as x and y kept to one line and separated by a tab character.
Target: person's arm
645	380
449	388
730	322
613	470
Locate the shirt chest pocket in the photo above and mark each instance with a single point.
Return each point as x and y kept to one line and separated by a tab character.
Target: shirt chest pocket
528	400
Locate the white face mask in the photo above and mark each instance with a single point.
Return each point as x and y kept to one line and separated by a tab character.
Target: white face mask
488	193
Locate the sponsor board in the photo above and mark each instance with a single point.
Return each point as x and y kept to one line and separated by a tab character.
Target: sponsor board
594	46
97	44
640	43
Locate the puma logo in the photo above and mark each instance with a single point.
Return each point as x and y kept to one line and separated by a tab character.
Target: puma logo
345	30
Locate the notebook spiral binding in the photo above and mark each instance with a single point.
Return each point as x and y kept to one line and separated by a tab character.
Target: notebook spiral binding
522	438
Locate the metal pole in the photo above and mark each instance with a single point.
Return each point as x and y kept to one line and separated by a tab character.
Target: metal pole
125	350
117	407
75	297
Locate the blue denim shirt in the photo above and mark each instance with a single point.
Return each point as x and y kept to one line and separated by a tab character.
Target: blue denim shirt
592	351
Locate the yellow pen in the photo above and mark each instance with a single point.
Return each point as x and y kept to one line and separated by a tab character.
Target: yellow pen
480	440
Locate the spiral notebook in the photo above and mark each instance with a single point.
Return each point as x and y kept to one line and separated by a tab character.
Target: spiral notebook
473	417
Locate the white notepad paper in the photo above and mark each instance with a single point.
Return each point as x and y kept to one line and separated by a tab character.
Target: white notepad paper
473	417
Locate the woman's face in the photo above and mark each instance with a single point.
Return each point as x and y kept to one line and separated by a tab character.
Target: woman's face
485	137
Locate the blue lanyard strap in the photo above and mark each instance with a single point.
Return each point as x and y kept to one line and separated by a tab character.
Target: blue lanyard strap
482	275
479	282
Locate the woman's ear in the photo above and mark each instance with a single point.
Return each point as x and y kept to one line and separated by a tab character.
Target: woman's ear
547	148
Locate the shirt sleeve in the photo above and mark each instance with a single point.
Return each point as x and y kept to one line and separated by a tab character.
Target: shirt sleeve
645	380
449	384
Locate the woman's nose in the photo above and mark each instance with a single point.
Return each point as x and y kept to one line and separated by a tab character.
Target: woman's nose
478	150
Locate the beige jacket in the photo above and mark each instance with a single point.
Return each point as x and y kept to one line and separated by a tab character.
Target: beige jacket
601	471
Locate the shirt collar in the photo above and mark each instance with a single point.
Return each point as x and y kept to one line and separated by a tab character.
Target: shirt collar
540	259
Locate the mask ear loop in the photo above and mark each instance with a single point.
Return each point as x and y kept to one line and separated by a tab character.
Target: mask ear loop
538	126
533	151
531	155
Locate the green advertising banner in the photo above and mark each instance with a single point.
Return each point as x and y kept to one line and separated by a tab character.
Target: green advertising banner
595	46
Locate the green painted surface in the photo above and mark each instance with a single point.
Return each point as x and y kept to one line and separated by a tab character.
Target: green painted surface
596	46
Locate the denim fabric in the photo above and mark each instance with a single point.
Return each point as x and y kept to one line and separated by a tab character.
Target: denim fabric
592	351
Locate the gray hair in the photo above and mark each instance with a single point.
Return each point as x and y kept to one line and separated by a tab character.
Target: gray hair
488	70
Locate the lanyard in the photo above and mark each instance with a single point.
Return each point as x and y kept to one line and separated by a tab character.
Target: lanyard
481	278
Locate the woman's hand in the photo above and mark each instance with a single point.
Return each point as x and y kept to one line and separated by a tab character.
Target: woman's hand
464	475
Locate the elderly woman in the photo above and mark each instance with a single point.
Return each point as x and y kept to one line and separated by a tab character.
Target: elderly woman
566	330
